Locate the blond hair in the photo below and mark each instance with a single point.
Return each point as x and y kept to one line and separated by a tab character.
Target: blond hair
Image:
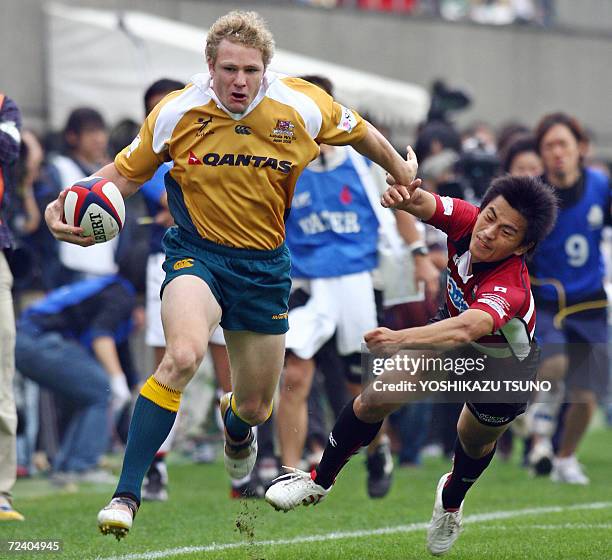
245	28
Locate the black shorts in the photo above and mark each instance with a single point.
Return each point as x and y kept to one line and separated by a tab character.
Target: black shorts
499	413
496	414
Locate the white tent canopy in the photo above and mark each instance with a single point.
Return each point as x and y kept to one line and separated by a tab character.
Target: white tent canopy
106	60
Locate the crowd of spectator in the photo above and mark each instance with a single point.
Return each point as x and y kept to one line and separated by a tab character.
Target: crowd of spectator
493	12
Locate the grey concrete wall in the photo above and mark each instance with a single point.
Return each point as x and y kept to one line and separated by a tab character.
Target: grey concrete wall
584	14
512	72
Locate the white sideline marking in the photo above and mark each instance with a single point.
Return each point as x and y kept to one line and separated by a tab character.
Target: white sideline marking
549	527
412	527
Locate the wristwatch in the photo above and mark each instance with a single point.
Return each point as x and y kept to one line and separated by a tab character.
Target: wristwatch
418	249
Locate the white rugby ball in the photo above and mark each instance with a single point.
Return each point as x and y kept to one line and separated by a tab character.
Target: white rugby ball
96	205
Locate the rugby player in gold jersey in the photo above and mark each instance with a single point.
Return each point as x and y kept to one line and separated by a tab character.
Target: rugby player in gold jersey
239	137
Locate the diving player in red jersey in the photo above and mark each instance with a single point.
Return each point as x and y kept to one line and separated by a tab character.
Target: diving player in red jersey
488	300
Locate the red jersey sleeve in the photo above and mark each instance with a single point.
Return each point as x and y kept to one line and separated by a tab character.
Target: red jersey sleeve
502	295
453	216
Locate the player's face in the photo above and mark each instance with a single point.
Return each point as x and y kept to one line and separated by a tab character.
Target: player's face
92	144
498	233
237	73
526	164
560	152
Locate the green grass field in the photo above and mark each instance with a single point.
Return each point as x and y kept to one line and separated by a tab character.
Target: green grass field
508	516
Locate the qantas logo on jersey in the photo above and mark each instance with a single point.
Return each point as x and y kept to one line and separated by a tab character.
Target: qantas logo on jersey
193	159
244	160
456	295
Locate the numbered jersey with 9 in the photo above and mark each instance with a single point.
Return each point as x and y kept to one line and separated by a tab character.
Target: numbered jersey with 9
569	260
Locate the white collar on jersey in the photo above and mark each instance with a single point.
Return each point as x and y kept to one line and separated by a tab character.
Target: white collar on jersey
463	266
203	82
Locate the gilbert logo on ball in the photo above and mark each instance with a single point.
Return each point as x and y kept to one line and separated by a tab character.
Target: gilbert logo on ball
96	205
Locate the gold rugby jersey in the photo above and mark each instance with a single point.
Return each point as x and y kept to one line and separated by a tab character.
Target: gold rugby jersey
234	175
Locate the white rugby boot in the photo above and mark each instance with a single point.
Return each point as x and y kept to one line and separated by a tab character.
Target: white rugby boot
239	458
293	489
445	526
117	517
569	471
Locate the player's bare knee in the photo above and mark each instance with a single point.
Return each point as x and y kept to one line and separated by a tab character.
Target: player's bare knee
182	361
475	449
369	410
295	384
475	443
583	397
553	368
254	411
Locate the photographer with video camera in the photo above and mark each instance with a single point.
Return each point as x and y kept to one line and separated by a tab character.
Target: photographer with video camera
476	163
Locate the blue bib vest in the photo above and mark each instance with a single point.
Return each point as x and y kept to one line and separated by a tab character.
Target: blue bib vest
570	255
332	229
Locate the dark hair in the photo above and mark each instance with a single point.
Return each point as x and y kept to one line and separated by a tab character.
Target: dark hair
84	118
532	199
519	145
122	135
436	131
161	87
324	83
548	121
509	132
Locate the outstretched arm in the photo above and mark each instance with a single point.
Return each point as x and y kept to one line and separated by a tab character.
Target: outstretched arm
377	148
455	331
403	194
408	196
55	210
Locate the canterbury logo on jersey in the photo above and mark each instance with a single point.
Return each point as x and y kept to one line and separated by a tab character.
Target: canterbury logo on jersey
184	263
245	160
239	129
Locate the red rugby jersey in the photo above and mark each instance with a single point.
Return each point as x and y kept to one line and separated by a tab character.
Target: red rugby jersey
501	288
